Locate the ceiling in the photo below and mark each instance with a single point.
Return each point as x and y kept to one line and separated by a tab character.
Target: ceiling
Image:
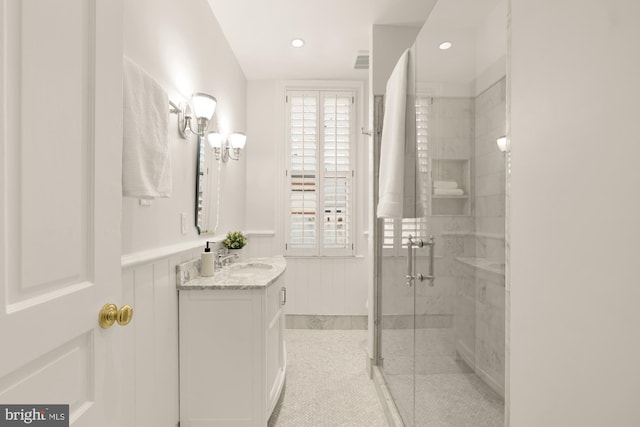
478	31
335	31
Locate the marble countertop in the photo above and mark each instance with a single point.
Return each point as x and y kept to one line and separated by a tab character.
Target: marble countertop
250	274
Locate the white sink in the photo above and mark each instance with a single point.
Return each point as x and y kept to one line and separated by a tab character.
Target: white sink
248	269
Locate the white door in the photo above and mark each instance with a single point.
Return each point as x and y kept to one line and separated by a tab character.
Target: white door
60	190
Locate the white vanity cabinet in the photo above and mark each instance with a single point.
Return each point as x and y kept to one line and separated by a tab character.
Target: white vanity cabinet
232	352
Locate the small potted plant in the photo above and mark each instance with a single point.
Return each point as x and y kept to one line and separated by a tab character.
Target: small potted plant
235	240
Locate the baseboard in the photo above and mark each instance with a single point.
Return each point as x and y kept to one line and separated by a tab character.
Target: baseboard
313	321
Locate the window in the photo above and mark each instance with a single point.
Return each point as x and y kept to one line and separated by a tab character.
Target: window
320	174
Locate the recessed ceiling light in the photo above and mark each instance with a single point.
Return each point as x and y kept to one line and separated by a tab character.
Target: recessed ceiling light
445	45
297	42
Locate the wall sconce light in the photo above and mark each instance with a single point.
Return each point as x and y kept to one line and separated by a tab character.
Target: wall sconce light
223	146
502	143
204	106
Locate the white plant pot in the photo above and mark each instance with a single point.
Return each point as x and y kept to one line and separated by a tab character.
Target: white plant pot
240	252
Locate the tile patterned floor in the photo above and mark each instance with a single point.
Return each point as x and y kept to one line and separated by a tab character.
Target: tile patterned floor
327	384
447	392
447	400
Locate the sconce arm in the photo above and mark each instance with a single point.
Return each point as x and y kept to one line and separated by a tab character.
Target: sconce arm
235	155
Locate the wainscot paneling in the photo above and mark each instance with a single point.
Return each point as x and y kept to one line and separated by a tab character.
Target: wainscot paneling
317	285
326	286
151	340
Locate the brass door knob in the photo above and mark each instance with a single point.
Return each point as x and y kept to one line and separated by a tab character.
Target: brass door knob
109	314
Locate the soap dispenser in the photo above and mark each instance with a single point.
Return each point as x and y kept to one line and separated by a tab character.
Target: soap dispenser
206	262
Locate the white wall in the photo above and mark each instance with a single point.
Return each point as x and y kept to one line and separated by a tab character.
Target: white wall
387	44
491	48
575	207
262	159
318	285
182	46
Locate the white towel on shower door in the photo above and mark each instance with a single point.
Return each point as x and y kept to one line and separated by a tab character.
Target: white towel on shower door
397	192
146	163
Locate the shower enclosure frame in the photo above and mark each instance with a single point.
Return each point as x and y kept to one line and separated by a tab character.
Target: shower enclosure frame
378	233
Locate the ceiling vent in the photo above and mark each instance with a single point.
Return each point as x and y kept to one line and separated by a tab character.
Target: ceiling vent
362	60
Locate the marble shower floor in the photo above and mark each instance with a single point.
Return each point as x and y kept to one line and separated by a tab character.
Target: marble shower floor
447	392
447	400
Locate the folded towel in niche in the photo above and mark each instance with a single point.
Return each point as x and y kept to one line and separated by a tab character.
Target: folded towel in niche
146	163
445	184
448	192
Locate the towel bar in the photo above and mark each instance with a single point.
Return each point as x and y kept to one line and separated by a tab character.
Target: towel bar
174	108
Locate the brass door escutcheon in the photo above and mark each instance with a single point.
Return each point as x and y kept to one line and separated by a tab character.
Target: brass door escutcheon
109	314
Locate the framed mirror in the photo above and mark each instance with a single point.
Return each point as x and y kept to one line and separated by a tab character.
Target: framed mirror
206	197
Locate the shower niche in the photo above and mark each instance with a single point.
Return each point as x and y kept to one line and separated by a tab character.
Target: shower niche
451	187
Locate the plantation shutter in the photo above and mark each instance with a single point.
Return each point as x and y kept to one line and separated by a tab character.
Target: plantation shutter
424	175
337	172
388	234
303	171
320	174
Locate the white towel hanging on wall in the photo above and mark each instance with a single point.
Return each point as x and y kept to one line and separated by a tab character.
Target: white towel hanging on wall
397	181
146	163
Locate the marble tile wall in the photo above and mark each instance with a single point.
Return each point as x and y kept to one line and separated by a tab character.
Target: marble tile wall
489	215
451	128
467	301
489	166
450	134
490	329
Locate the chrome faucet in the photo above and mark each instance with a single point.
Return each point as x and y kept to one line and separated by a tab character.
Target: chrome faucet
223	257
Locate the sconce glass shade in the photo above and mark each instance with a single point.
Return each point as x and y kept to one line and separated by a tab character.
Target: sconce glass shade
502	143
215	139
203	105
237	140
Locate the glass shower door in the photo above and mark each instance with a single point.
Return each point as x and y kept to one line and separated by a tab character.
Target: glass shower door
459	317
396	327
395	303
458	333
441	338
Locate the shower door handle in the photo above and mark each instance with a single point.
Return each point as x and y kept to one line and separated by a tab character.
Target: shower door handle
411	243
432	248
